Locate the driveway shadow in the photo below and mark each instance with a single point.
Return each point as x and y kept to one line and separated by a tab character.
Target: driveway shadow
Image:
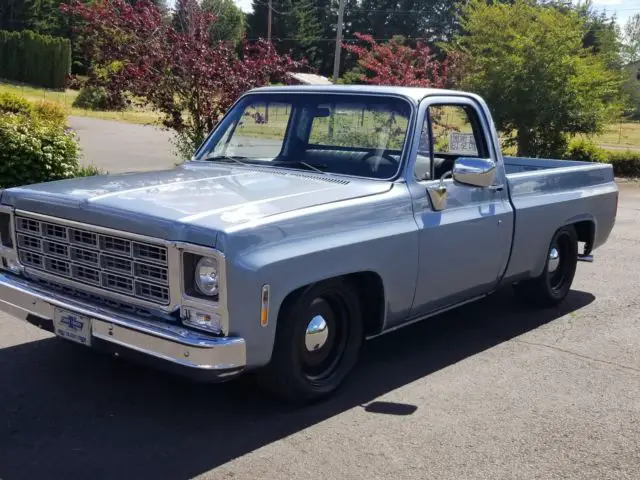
71	413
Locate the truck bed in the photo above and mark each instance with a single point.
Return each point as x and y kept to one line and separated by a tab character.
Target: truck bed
546	193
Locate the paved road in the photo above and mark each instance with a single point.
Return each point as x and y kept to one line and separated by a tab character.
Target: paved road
122	147
492	391
119	147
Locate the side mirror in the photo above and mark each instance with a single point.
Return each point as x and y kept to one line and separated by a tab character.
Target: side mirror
475	172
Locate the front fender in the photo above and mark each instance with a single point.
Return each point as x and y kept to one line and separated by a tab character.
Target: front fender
376	235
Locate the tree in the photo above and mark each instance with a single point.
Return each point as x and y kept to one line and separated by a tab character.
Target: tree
528	61
40	16
393	63
631	40
230	21
307	28
281	25
601	35
308	31
430	21
160	4
179	73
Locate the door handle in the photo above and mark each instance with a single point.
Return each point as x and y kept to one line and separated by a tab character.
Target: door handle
496	188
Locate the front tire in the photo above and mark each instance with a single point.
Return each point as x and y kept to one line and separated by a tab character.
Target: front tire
318	341
552	286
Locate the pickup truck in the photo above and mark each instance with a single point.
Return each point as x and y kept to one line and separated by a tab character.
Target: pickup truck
309	220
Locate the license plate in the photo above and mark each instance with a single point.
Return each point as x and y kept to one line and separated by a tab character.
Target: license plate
72	326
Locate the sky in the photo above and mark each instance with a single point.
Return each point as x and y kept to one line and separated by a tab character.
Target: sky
622	8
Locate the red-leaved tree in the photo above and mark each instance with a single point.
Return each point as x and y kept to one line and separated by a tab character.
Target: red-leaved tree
171	66
393	63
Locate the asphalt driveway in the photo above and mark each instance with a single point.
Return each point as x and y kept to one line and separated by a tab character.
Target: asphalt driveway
122	147
490	391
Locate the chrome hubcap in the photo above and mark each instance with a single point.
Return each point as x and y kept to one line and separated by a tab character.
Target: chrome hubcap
317	333
554	260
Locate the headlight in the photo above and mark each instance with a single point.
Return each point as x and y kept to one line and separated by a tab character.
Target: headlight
206	276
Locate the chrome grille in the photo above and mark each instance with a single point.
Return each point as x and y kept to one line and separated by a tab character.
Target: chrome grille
112	263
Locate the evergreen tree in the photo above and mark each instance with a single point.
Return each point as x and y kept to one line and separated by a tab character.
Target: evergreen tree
282	24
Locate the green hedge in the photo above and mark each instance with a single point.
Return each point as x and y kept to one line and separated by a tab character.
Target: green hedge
625	164
35	59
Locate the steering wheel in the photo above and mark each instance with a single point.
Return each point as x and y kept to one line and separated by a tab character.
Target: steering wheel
379	156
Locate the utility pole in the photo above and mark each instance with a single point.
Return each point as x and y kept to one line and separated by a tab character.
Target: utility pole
336	58
269	16
269	20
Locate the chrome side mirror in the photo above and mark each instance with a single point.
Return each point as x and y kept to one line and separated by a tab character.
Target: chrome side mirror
475	172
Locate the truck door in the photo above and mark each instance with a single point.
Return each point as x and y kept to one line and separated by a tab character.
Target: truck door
465	242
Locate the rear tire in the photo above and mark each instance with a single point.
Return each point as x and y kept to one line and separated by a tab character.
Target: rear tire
318	341
552	286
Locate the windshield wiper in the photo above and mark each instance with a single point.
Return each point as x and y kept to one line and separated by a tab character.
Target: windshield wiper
226	158
316	167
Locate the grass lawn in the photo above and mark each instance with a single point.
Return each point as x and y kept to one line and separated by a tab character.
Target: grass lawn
66	99
622	134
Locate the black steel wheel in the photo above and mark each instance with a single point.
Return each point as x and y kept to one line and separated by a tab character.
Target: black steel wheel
553	284
318	340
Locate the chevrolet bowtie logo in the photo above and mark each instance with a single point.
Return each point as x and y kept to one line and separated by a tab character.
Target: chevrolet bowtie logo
71	322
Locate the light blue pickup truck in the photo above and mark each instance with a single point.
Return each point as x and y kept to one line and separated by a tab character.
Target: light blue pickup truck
310	219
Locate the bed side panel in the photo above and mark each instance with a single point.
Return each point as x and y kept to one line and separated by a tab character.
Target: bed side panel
545	200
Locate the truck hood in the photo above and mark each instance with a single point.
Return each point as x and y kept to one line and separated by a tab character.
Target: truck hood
192	202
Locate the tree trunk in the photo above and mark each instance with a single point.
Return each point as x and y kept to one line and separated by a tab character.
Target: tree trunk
524	142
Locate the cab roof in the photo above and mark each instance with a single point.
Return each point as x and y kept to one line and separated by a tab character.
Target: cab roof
415	94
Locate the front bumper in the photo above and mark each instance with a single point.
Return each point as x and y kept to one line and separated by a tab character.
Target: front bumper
167	346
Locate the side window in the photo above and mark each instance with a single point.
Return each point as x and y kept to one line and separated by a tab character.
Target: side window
449	132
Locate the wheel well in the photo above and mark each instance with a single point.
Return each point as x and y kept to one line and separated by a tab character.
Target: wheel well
586	231
368	287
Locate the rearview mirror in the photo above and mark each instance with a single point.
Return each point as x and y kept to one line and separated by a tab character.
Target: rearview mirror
321	112
475	172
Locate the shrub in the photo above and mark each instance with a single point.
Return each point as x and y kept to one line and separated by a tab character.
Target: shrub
92	98
50	111
625	164
88	171
33	151
74	82
35	59
585	150
41	109
10	103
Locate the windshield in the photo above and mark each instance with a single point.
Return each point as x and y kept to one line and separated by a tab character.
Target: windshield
361	135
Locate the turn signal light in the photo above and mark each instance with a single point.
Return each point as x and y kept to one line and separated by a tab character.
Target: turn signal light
264	310
202	320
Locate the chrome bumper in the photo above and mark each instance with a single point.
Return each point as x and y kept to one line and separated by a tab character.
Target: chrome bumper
175	347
